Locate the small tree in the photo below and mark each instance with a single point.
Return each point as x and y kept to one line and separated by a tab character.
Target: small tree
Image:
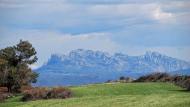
122	78
14	66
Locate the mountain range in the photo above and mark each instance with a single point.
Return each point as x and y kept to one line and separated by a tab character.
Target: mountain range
87	66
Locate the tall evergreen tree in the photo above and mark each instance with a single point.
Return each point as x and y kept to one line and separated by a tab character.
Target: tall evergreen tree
14	66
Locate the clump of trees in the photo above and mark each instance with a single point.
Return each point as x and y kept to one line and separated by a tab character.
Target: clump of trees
14	66
182	81
155	77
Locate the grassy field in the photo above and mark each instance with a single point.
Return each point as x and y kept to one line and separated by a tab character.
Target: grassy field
115	95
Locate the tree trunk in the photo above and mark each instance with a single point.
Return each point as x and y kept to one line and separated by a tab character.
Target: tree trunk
9	88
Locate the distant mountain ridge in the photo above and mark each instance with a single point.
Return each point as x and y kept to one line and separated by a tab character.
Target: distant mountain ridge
98	66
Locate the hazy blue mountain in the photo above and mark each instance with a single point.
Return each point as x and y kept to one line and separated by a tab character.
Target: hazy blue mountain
182	72
87	66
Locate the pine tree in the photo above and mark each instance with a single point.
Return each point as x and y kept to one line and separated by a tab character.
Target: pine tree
14	66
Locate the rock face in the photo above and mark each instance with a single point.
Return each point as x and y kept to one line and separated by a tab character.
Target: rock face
87	66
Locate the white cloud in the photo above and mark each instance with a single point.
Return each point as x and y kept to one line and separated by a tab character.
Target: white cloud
177	5
49	42
158	14
63	14
57	15
149	11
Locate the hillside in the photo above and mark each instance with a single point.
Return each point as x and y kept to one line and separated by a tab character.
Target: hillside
87	66
116	95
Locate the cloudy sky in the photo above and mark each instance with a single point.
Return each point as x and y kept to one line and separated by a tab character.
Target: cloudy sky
128	26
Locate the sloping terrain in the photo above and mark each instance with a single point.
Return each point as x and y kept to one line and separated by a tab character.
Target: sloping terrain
115	95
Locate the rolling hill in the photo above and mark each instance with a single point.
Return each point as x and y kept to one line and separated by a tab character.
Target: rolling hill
115	95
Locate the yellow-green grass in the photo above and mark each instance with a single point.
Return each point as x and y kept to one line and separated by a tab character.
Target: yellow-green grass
115	95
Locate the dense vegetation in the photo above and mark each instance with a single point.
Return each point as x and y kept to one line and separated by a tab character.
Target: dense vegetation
115	95
14	66
46	93
182	81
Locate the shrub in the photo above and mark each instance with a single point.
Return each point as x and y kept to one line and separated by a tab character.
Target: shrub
25	88
108	81
46	93
125	79
122	78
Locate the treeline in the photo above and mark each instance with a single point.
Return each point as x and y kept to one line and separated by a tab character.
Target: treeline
182	81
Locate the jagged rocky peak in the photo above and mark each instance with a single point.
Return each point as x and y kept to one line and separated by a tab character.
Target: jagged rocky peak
101	66
147	62
87	53
79	52
120	55
153	54
157	57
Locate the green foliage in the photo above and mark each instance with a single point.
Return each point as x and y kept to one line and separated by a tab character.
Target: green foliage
26	53
14	62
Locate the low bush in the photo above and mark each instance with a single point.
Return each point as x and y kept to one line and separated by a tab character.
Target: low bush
25	88
126	79
46	93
